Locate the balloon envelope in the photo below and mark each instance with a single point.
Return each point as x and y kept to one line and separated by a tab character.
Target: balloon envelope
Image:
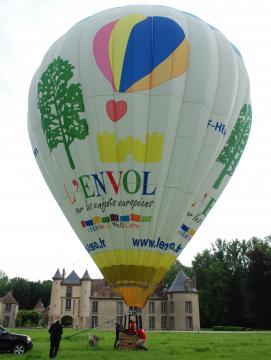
138	117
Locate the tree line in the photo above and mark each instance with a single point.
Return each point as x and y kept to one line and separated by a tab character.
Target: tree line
234	283
27	293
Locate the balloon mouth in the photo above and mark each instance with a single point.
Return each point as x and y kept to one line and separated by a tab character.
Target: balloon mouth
135	283
134	294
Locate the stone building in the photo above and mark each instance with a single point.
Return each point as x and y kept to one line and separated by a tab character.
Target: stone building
44	311
85	302
9	308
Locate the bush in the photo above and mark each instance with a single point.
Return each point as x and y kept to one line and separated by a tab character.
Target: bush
229	328
28	318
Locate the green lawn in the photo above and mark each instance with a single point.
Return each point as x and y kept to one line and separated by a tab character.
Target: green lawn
162	345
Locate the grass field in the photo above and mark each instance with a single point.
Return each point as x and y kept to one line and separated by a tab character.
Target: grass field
162	346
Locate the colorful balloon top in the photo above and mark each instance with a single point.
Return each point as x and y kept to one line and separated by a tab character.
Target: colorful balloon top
138	52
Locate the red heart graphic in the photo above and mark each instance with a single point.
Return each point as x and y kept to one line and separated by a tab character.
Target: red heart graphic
116	109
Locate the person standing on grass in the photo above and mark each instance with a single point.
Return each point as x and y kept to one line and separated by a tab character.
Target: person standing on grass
55	332
117	339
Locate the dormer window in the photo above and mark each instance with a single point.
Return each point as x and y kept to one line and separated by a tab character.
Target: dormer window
188	285
69	291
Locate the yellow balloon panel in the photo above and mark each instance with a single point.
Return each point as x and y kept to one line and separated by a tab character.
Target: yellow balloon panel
133	274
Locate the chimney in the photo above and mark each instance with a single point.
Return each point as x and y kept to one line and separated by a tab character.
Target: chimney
194	280
63	273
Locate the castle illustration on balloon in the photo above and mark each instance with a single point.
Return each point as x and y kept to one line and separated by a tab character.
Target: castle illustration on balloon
137	53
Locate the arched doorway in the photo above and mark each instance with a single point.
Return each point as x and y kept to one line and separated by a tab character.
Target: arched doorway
67	321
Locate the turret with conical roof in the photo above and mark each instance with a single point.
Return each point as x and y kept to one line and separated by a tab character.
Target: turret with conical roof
85	303
183	303
57	275
55	303
181	284
86	276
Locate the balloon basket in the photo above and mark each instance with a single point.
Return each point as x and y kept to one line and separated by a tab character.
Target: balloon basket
130	324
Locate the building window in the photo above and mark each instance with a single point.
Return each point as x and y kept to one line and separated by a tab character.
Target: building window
171	307
188	307
8	307
94	321
189	323
94	307
171	296
163	322
151	322
134	309
68	291
151	307
120	320
163	307
6	321
119	307
172	323
68	304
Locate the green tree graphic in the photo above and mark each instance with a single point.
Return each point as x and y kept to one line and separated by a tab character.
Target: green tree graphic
60	104
232	151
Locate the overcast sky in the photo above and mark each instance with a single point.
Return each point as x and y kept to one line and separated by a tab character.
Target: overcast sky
35	238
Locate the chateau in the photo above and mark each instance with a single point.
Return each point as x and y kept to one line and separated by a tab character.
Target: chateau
85	302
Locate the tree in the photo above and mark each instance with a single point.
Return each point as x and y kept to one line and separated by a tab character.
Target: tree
31	317
221	282
60	104
21	291
45	295
40	290
212	285
233	150
35	317
259	284
22	317
3	283
27	293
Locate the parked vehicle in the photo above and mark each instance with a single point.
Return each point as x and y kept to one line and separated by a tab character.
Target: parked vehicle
16	343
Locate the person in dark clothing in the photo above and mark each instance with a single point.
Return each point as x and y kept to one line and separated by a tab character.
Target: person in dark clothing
118	328
55	332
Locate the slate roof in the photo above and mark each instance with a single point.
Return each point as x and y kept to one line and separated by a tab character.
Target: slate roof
39	306
86	276
100	289
57	275
179	284
72	279
8	299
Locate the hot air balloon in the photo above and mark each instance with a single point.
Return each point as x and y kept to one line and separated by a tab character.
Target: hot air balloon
138	117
